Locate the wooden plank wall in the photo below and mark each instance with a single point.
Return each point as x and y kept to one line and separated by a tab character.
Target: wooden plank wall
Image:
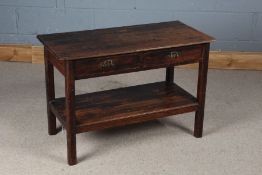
218	60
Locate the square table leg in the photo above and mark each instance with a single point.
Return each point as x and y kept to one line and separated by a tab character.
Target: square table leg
70	112
50	92
201	92
169	75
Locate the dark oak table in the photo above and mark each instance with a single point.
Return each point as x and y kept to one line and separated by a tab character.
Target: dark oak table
102	52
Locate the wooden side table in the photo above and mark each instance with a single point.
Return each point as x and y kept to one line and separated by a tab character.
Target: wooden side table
102	52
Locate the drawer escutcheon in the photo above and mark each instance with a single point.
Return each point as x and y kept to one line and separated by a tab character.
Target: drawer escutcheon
107	63
175	54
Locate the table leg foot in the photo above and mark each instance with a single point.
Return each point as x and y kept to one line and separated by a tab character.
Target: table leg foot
52	130
170	75
71	149
198	129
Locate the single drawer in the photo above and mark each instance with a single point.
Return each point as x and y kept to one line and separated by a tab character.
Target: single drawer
173	56
106	66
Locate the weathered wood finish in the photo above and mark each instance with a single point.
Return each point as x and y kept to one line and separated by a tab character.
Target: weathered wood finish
50	93
79	55
107	66
122	40
201	92
123	106
217	59
186	55
93	67
70	112
59	64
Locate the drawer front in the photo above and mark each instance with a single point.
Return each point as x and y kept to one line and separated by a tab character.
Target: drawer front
174	56
106	66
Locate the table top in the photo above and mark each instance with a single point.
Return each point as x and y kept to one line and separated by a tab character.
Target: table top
122	40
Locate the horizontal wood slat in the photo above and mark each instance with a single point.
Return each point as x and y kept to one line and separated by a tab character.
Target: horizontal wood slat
21	53
233	60
218	60
123	106
37	54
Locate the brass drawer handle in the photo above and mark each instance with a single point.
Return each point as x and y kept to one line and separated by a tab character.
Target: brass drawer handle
174	54
107	63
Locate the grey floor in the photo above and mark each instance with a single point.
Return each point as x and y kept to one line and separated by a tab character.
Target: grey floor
232	142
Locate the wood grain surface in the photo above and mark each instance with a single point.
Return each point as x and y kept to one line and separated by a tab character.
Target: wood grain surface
20	53
122	40
127	105
218	59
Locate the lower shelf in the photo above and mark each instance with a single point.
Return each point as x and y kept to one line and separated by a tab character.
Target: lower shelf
100	110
